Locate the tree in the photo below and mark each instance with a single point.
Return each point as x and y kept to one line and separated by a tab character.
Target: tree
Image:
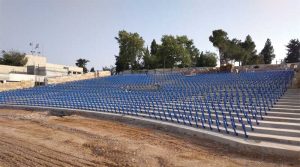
293	49
168	52
207	59
92	69
267	53
13	58
220	40
243	52
249	53
121	64
153	48
82	63
234	51
131	49
149	60
190	52
176	51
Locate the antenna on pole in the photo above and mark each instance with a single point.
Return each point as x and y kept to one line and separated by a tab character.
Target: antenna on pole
35	48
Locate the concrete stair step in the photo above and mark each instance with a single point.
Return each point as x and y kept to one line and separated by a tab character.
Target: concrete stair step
286	106
264	134
291	100
282	119
291	93
289	110
285	136
294	89
295	98
287	103
281	125
275	138
268	134
276	131
257	129
290	137
261	129
283	114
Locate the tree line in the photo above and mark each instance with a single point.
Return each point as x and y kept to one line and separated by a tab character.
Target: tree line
174	51
240	51
180	51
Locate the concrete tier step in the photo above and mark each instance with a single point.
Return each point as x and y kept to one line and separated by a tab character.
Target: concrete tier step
291	100
275	138
285	136
260	135
265	127
271	130
286	106
293	90
289	110
288	102
280	125
265	134
281	119
276	131
275	116
291	134
283	114
292	93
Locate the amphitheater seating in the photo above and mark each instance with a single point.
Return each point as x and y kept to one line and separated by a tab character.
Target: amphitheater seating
227	102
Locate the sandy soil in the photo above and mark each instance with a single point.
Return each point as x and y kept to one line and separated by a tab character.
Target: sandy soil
38	139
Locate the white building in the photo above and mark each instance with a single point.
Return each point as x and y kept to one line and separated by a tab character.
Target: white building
36	69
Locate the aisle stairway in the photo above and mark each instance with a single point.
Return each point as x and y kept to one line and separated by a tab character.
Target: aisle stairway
282	123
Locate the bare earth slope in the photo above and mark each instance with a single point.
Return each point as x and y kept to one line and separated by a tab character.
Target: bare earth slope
37	139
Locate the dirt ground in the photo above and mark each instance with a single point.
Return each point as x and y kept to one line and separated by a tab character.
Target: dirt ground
39	139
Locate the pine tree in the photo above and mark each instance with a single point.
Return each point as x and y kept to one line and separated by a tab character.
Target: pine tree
267	52
293	54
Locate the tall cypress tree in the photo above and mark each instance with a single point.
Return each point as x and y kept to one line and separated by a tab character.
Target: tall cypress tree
153	47
268	52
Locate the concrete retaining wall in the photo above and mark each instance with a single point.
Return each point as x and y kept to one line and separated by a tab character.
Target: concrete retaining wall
296	81
28	81
71	78
4	69
16	85
193	70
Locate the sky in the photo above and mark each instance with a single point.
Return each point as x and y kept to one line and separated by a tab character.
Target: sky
67	30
